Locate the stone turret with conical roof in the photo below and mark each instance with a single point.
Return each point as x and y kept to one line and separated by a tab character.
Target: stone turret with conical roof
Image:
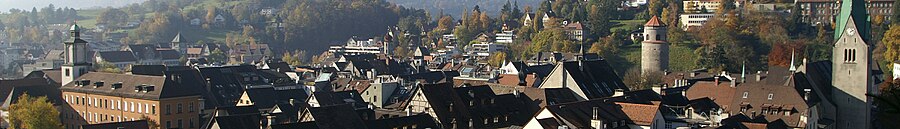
654	48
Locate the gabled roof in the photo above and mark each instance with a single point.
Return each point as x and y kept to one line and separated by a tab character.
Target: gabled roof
236	122
7	87
117	56
596	78
169	54
342	116
640	114
578	114
338	98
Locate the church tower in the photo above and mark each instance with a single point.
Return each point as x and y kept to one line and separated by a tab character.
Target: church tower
654	48
178	45
851	70
76	63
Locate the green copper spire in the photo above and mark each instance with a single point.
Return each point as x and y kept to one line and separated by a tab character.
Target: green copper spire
857	10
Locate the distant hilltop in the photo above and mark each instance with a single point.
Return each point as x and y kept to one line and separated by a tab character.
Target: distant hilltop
456	7
5	5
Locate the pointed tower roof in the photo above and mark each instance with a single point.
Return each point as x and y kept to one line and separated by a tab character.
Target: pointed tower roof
853	10
655	22
177	38
75	27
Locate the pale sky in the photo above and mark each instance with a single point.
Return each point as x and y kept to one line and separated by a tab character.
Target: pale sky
5	5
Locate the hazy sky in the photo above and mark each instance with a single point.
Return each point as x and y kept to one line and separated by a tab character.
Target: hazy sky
5	5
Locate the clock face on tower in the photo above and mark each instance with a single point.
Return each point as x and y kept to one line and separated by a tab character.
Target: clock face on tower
851	31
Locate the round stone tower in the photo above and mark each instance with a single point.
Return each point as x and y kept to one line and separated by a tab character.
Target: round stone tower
654	48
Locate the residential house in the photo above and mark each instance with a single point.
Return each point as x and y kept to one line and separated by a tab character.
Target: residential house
589	79
575	31
824	12
248	53
474	106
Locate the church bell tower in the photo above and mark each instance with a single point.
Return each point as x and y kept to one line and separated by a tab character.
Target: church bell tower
76	63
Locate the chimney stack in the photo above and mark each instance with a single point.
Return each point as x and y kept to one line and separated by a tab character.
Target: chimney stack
619	92
758	75
716	80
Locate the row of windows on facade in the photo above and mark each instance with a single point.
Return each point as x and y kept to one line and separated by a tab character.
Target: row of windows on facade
124	106
101	118
180	124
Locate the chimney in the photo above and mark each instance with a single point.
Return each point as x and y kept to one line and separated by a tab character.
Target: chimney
806	94
693	74
618	92
596	114
716	80
292	102
270	120
202	103
758	75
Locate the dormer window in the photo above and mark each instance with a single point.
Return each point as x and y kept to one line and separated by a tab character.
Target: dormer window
745	95
770	96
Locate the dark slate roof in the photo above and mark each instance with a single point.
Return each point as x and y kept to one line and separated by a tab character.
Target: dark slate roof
118	56
226	84
169	54
237	110
7	86
433	76
153	70
52	94
578	114
236	122
339	98
300	125
268	97
174	85
139	124
596	78
420	120
442	97
341	116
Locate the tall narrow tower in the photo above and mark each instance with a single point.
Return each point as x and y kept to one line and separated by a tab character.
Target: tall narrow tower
76	63
851	70
654	48
178	44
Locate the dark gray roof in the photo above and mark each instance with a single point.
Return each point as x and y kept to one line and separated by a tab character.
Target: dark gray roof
342	97
596	78
236	122
139	124
175	84
117	56
169	54
341	116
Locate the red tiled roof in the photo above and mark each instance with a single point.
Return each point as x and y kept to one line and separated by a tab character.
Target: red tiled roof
641	114
513	80
655	22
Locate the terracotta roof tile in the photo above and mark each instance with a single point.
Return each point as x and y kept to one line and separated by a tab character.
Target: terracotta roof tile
655	22
641	114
